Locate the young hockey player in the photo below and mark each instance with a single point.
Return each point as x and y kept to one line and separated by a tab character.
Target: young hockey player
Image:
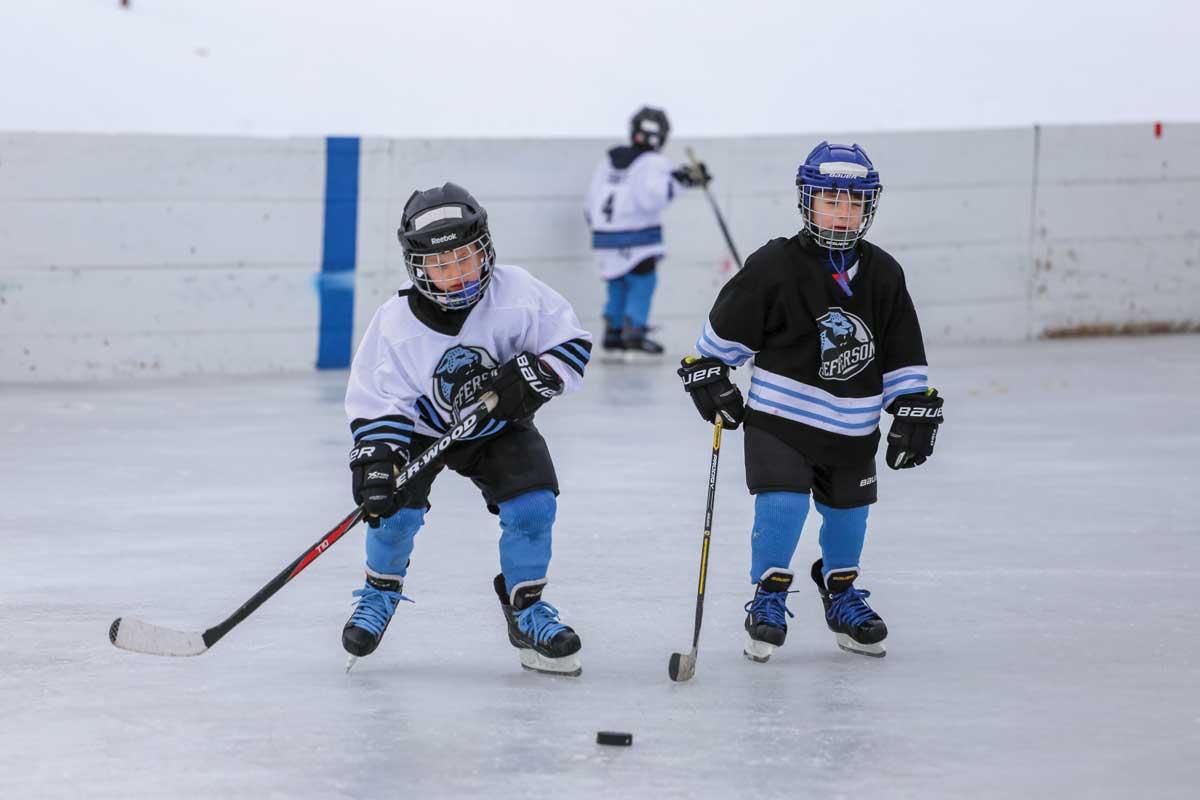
835	340
465	326
630	188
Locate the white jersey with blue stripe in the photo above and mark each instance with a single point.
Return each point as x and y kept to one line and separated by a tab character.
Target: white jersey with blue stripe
408	376
630	187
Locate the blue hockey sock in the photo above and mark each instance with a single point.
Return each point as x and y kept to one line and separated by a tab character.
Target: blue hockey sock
525	524
391	544
778	520
637	302
614	308
843	531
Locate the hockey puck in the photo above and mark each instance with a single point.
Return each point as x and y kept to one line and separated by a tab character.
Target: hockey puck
614	738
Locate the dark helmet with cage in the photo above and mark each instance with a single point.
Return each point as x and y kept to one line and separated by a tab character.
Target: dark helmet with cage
842	179
447	246
649	128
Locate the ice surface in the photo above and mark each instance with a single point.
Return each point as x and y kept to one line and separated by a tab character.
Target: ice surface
1040	577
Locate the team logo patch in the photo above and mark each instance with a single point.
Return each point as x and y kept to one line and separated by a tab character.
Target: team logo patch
460	376
847	346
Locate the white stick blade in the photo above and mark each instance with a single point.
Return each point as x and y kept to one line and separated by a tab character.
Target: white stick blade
135	635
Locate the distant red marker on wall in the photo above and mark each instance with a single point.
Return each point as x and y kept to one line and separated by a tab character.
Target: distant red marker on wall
1158	130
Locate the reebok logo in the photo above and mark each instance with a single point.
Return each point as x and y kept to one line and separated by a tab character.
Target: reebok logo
449	237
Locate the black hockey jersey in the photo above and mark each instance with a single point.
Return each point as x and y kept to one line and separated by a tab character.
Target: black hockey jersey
825	363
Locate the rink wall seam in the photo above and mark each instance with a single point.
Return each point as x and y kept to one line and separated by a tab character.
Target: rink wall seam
130	255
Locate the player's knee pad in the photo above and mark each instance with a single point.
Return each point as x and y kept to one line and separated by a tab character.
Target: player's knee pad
530	514
399	526
778	520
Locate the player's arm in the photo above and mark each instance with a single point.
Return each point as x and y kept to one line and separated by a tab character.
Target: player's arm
382	427
916	408
556	354
732	334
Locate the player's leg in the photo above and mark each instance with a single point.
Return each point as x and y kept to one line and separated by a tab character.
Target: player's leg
641	281
843	497
516	475
779	478
389	549
614	316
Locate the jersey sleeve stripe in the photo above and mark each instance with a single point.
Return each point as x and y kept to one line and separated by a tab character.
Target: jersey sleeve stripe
733	361
717	342
567	357
384	424
385	437
582	347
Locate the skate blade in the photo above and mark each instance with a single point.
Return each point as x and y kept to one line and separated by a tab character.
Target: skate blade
758	652
639	358
612	357
569	666
858	648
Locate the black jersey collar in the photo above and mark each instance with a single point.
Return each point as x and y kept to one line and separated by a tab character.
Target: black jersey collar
445	322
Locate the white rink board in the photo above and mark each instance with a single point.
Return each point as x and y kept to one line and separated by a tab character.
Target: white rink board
122	240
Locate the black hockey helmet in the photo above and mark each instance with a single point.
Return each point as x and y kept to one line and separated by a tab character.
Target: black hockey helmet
440	229
649	127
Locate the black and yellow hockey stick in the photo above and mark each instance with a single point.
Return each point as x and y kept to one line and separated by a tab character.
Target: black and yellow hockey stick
683	665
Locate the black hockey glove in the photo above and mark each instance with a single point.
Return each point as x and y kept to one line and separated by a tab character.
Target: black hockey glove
373	470
693	175
522	386
707	381
914	429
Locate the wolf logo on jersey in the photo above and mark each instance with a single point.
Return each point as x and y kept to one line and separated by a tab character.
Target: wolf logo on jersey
459	376
847	346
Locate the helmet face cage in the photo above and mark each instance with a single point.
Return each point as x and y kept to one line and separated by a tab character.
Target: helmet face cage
649	127
424	268
841	205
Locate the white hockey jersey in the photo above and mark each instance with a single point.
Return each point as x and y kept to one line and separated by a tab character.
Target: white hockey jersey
629	190
408	376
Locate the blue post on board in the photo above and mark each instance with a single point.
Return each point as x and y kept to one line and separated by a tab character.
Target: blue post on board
338	253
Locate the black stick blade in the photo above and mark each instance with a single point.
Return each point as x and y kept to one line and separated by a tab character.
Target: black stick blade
682	666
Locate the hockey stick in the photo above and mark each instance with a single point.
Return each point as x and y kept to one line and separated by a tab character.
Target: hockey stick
712	201
682	666
131	633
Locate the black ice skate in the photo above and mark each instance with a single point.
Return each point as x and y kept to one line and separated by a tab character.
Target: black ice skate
856	626
377	602
639	348
613	346
544	643
767	613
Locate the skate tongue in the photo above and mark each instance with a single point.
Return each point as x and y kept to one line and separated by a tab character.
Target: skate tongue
526	594
840	580
776	580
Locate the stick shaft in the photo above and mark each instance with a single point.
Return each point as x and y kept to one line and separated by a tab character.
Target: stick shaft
708	515
712	201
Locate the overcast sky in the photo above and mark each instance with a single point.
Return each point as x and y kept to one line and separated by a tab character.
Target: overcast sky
511	68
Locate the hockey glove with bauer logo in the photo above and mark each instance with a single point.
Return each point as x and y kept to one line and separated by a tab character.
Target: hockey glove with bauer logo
707	381
522	386
914	429
373	470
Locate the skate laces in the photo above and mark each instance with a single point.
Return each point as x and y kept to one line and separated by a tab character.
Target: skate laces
540	621
769	607
375	607
849	607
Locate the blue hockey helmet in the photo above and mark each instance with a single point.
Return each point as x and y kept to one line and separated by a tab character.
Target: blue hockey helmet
845	179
